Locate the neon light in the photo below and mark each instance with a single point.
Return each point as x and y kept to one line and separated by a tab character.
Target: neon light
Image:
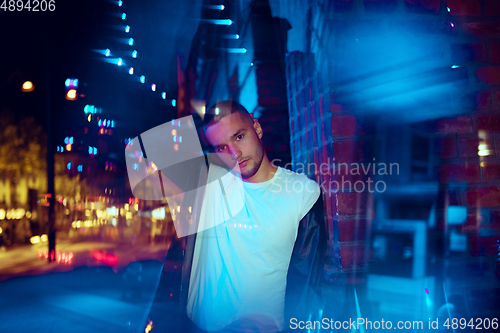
164	95
131	70
153	87
134	54
142	79
124	16
119	61
131	41
120	3
127	29
174	103
220	21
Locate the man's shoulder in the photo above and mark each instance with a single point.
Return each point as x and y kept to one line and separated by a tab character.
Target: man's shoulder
292	175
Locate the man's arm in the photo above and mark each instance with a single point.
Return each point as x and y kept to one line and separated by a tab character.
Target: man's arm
306	265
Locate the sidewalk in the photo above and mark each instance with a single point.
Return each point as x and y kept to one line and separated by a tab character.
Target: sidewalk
82	300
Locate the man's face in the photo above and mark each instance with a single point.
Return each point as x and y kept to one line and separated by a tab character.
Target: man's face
235	139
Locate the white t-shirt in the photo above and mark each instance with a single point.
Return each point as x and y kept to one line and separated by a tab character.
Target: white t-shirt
240	266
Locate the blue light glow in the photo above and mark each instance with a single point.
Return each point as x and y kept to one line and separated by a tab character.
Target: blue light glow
217	7
231	36
220	21
112	123
236	50
134	54
153	87
174	103
455	66
108	123
448	9
68	166
142	79
131	70
80	168
164	95
124	16
120	3
99	123
119	63
107	53
180	139
131	41
175	138
127	28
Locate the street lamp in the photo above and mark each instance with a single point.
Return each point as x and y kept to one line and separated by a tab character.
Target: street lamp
28	86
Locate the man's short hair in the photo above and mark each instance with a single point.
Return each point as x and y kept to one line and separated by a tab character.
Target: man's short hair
224	108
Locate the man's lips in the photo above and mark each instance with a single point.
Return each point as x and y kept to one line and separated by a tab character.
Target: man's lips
242	163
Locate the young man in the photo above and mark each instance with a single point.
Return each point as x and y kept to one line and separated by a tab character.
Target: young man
239	268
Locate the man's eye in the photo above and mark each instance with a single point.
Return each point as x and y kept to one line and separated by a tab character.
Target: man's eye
239	137
220	149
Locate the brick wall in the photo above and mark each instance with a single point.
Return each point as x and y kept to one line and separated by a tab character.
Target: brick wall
323	135
324	129
472	180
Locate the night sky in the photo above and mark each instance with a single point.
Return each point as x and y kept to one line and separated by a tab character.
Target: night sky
66	41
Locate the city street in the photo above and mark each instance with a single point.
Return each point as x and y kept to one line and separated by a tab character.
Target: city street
95	292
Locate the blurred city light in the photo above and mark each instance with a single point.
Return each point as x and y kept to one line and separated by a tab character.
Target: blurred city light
107	53
127	28
219	21
134	54
164	95
131	70
174	103
124	16
142	79
27	86
218	7
153	87
119	61
120	3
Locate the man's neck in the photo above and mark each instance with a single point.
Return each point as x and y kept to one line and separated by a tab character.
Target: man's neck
265	173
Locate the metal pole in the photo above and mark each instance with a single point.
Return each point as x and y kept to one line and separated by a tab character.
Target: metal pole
51	232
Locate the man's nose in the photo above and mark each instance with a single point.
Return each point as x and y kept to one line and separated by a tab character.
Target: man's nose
235	153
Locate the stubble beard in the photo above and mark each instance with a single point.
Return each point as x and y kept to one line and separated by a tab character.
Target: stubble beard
257	162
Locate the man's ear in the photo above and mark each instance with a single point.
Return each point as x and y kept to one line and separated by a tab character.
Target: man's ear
257	128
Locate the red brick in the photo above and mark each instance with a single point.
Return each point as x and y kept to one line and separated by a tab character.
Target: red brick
448	147
269	148
431	5
345	125
352	230
488	74
354	255
490	122
284	148
482	30
491	171
483	246
484	100
495	52
464	7
492	7
459	173
462	124
351	203
483	197
455	197
495	219
468	146
351	151
469	52
496	101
